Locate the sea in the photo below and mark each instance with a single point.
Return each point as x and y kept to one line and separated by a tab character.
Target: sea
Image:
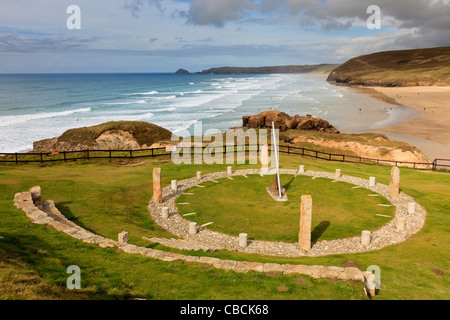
41	106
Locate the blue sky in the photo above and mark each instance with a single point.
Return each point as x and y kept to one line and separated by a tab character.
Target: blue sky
164	35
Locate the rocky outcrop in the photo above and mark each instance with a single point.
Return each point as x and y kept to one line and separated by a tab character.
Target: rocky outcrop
284	122
122	135
182	71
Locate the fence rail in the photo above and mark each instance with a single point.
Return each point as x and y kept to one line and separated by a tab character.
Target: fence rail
64	156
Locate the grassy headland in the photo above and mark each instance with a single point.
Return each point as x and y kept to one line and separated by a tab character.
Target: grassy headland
418	67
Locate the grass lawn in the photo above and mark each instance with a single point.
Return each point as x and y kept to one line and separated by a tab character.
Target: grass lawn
244	205
108	198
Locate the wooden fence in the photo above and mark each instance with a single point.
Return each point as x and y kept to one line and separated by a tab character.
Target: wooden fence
87	154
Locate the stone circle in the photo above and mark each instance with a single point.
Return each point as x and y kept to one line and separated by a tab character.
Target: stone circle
380	238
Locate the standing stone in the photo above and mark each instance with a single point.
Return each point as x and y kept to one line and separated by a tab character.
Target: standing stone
372	182
123	237
365	238
199	175
338	173
301	169
229	170
36	194
400	224
193	228
394	186
264	158
411	207
243	241
304	236
371	285
174	185
165	212
157	190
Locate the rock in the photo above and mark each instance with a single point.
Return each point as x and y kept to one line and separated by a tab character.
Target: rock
283	122
182	71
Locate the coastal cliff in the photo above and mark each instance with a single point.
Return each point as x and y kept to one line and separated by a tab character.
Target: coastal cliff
318	68
403	68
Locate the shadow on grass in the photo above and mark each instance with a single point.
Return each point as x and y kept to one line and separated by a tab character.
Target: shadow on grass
65	210
287	185
319	230
44	257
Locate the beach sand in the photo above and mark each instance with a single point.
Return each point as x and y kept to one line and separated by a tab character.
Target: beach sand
429	129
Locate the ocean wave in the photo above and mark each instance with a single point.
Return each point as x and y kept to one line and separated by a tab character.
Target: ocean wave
144	93
163	98
10	120
125	103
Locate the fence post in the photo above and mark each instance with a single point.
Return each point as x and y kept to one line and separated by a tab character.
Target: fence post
64	153
343	158
317	154
288	149
87	153
110	155
131	153
17	160
41	156
303	151
152	152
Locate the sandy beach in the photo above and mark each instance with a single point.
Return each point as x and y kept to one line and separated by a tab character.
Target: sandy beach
434	104
429	130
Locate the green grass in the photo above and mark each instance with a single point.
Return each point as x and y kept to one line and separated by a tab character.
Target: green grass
109	198
244	205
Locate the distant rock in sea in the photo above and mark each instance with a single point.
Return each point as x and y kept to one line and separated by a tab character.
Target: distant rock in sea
182	71
284	122
114	135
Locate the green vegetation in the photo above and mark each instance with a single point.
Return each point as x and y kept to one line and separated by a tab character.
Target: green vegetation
244	205
396	68
108	198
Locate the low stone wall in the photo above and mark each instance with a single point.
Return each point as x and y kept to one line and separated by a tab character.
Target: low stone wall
45	212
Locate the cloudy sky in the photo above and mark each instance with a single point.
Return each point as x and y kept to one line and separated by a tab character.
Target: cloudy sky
164	35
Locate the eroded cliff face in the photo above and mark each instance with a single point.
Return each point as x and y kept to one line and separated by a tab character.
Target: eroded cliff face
369	151
111	139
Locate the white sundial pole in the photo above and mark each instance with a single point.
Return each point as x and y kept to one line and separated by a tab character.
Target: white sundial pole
276	158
